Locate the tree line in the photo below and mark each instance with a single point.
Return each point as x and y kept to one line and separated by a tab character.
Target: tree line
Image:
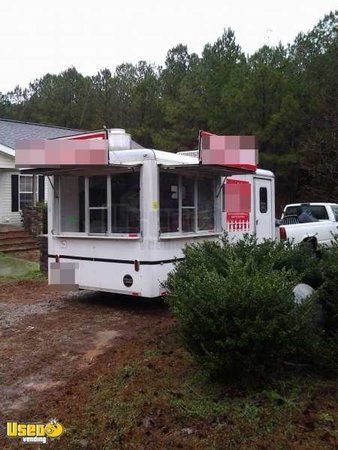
285	95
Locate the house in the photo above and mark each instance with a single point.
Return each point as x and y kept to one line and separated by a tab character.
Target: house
16	189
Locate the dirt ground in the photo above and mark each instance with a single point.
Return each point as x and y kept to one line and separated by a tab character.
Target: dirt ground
48	340
112	371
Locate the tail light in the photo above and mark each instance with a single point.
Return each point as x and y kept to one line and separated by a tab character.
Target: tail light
282	233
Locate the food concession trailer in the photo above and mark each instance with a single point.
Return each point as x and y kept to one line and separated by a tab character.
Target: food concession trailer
120	216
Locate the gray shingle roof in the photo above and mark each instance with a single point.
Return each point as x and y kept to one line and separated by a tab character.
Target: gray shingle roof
13	130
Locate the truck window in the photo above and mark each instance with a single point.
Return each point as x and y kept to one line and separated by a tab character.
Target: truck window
316	211
319	212
263	200
335	212
292	211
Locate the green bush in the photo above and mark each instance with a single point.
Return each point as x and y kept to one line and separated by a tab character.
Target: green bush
235	306
44	208
327	294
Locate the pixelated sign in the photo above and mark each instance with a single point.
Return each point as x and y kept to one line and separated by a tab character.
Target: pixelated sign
44	153
238	222
237	196
236	151
237	204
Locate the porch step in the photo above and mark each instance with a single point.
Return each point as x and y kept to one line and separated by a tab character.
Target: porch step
13	234
18	248
17	240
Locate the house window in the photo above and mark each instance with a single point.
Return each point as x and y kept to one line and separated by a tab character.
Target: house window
100	204
26	190
187	204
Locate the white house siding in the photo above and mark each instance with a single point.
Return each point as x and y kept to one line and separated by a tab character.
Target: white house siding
10	132
6	160
7	168
6	214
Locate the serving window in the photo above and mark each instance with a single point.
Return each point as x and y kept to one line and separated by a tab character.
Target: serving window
187	204
104	204
125	203
98	204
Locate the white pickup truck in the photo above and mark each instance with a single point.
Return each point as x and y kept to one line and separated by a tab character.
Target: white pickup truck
314	222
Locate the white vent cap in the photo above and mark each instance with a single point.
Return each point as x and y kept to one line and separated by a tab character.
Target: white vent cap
118	139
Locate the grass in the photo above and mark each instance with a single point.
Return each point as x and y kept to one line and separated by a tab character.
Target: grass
157	398
12	268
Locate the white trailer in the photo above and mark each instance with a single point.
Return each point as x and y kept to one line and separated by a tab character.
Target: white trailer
119	227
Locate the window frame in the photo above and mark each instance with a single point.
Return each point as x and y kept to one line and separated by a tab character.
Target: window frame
334	209
296	211
25	176
266	203
180	233
323	209
106	208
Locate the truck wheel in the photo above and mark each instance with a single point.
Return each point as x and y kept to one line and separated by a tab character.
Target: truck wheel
312	242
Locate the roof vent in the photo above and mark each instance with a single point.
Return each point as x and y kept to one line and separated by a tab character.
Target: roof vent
118	139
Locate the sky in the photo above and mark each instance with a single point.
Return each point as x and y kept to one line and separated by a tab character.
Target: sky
41	36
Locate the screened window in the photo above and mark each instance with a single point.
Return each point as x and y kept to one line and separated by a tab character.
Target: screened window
263	200
169	216
125	203
72	204
187	204
206	216
98	204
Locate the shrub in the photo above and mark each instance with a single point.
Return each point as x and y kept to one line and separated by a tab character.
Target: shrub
235	306
328	292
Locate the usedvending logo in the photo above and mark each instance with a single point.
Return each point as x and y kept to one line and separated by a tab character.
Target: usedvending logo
35	432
